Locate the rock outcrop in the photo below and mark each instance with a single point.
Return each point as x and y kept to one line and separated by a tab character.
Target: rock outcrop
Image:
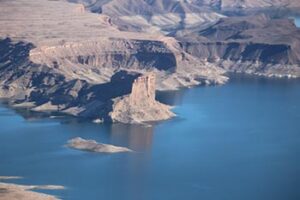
140	105
15	191
143	89
47	90
93	146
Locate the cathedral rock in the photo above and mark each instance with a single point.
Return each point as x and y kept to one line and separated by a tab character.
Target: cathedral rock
140	105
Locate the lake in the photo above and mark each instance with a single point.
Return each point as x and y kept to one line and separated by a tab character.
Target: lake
297	21
231	142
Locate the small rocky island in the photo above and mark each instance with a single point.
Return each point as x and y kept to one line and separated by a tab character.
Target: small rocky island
93	146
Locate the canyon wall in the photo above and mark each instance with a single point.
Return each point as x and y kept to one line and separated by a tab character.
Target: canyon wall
252	44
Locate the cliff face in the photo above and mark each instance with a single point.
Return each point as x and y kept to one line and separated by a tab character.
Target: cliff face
252	44
140	105
148	7
284	54
96	61
256	4
128	97
155	16
143	89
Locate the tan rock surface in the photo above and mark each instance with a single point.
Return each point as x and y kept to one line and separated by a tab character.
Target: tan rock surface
9	191
140	105
93	146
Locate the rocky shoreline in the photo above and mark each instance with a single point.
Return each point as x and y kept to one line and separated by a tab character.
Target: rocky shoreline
16	192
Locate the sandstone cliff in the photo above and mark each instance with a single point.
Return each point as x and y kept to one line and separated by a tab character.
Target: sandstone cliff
252	44
140	105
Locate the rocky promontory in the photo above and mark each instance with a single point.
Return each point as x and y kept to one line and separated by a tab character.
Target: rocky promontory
140	105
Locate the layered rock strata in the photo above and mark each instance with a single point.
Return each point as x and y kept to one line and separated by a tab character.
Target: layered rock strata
140	105
252	44
65	59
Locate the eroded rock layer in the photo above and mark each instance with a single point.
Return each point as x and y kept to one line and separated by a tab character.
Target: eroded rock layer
252	44
140	105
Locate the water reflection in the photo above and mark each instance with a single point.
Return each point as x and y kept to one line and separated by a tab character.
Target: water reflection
136	137
136	165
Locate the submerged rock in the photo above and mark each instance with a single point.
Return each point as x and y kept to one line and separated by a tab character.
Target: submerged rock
93	146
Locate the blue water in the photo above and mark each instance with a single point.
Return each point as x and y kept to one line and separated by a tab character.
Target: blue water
297	21
240	141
